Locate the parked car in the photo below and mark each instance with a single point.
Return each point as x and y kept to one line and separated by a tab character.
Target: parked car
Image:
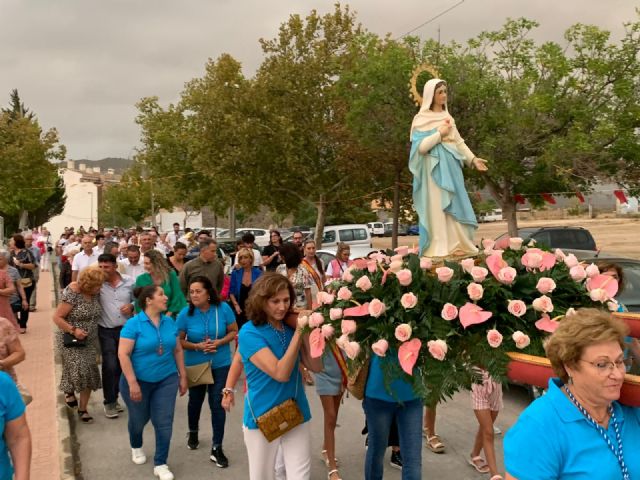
565	238
376	229
352	234
388	229
329	254
494	215
413	230
262	235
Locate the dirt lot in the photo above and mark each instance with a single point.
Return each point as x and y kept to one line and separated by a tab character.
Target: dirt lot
613	235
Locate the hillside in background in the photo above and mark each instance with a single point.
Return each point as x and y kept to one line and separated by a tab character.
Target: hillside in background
118	164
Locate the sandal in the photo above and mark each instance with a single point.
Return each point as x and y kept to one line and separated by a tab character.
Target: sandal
71	400
434	444
85	417
496	477
325	459
479	464
335	472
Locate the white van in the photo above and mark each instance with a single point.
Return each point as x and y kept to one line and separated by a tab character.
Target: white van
353	234
376	229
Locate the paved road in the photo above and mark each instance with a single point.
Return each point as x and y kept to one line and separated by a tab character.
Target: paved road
104	449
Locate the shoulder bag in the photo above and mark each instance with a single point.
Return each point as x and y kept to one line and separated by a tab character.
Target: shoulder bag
357	383
200	374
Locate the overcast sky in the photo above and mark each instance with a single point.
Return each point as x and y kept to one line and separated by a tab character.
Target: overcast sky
81	65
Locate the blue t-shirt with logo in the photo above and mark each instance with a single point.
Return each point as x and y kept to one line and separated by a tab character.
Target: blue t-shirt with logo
11	407
264	392
212	323
150	363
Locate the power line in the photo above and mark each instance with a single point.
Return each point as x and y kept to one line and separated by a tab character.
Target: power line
431	19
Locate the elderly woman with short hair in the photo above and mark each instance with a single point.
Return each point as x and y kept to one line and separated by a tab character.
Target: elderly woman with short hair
578	430
77	315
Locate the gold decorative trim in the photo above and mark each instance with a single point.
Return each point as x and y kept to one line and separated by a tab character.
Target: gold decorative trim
413	87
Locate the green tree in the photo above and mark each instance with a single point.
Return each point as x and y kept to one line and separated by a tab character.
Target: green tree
127	203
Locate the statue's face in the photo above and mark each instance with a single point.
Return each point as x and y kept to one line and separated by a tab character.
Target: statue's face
440	96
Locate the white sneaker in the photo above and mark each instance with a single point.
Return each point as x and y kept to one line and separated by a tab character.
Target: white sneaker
163	472
137	456
496	430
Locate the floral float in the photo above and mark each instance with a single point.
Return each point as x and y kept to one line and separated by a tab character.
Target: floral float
442	320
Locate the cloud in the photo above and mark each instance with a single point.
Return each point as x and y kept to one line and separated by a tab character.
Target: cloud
81	65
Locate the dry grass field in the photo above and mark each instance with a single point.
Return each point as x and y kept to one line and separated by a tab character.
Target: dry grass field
613	235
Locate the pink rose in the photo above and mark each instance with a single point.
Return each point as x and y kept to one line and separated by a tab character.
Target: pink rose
342	341
303	321
344	294
347	276
352	349
531	260
507	275
571	260
372	266
613	306
316	319
570	311
559	254
522	340
335	313
324	298
449	311
363	283
475	291
414	250
467	264
515	243
396	265
403	332
437	349
578	273
408	301
444	274
396	258
479	274
328	331
402	251
425	263
599	295
494	338
404	277
348	327
380	347
543	304
488	244
545	285
592	270
517	308
376	308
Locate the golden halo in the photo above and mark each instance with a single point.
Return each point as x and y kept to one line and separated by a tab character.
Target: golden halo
425	67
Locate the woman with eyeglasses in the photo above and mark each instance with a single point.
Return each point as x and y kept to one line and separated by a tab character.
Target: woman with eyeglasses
578	430
271	253
242	279
341	263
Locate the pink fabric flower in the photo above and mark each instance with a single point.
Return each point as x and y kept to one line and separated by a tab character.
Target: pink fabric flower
358	311
479	274
372	266
364	283
467	264
404	277
488	244
335	313
397	258
344	294
408	301
543	304
425	263
545	285
414	250
570	311
521	340
303	321
604	282
316	343
546	324
376	308
515	243
402	251
359	264
496	263
352	349
380	347
517	308
532	260
348	327
559	254
396	265
342	341
449	311
403	332
347	276
507	275
592	270
444	274
328	331
577	273
408	355
599	295
438	349
494	338
472	314
325	298
316	319
570	260
613	306
475	291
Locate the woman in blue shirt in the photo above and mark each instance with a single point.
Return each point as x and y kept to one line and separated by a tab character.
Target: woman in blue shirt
152	372
270	351
578	430
15	439
206	328
242	279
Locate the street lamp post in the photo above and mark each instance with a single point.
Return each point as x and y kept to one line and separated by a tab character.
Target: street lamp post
91	206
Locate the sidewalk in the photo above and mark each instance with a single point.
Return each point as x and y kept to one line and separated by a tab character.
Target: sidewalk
37	373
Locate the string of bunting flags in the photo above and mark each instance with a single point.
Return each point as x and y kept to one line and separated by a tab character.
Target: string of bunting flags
521	198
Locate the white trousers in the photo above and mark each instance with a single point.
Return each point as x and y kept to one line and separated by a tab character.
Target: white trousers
296	452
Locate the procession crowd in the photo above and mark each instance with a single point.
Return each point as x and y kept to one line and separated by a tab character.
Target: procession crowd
171	314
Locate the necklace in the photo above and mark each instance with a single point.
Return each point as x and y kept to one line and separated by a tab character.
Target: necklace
617	452
281	334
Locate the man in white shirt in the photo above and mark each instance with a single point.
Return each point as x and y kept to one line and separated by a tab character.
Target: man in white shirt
173	237
132	265
83	259
100	243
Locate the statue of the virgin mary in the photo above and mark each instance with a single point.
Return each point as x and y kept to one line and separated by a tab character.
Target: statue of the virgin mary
446	219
